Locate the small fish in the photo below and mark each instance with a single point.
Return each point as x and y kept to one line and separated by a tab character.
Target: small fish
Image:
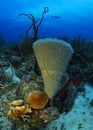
57	17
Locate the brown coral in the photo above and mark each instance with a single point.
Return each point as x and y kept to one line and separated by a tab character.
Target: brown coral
37	99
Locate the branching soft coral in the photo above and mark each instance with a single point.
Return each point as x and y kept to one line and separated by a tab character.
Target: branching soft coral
34	22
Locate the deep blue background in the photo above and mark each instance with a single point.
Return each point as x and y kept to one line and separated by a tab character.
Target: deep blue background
76	17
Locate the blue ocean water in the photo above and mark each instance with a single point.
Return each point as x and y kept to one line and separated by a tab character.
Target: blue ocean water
65	18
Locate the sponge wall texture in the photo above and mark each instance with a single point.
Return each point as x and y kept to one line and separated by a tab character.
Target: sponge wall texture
53	57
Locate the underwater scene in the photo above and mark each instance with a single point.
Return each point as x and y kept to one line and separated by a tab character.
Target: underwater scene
46	65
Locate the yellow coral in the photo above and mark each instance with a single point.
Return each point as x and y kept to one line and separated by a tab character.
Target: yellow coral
37	99
17	102
18	111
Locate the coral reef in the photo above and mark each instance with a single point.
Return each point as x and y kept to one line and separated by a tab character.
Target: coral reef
13	96
81	65
15	60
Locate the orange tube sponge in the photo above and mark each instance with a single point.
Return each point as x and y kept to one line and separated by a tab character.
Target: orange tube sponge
37	99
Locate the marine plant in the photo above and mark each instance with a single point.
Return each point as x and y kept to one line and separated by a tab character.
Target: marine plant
35	23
